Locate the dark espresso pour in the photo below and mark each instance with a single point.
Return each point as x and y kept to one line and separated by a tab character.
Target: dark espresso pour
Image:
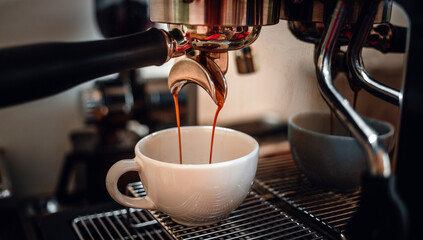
220	101
219	107
178	122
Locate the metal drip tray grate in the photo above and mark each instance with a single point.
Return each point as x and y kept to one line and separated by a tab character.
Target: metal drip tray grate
280	176
255	218
118	224
282	205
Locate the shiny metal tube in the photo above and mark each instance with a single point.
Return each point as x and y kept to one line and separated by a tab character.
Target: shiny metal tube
319	10
378	159
383	37
355	60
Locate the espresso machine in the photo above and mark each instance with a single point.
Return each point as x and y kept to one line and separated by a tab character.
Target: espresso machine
200	34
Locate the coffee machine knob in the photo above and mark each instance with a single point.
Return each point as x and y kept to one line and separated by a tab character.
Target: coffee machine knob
108	100
93	107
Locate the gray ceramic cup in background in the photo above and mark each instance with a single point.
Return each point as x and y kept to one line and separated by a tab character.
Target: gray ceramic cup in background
331	161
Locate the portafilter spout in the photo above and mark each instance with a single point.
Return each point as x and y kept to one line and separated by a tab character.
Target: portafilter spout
210	46
213	28
209	63
202	71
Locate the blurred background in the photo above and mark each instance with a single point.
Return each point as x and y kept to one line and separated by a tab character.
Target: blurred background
36	137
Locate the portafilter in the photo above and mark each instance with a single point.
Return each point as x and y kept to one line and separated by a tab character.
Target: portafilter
205	29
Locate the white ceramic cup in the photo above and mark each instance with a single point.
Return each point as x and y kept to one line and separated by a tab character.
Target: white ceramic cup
194	193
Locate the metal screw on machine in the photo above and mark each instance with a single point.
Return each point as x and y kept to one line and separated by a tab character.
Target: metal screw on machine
245	61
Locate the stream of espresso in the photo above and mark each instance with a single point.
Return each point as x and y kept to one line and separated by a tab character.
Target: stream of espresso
178	122
219	107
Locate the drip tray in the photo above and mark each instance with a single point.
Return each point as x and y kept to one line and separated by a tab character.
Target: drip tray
255	218
283	204
119	224
330	211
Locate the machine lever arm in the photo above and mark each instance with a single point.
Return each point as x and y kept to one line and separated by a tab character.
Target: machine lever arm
40	70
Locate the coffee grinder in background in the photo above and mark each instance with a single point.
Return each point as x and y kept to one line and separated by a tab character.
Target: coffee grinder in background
118	111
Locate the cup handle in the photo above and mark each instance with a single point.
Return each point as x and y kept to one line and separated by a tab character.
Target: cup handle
113	175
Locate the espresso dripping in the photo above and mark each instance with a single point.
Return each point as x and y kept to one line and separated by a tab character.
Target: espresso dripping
220	101
178	122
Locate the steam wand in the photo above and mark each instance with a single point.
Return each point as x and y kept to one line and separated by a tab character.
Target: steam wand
381	214
379	163
355	60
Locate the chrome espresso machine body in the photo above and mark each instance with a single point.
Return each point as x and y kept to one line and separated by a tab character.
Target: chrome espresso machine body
204	31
